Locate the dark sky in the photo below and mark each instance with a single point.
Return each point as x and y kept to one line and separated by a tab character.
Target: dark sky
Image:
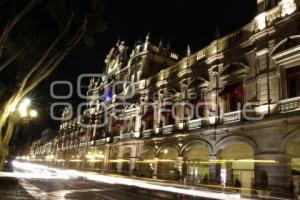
180	22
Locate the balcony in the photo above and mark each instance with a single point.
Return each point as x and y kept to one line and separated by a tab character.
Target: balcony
127	136
148	133
232	117
195	124
100	142
116	139
168	129
83	144
91	143
289	105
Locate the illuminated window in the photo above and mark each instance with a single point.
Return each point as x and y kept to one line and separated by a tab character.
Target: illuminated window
293	82
174	55
288	7
200	55
261	21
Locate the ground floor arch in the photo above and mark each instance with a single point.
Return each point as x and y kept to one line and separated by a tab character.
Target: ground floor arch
196	164
293	156
146	162
237	165
124	161
112	162
166	162
94	159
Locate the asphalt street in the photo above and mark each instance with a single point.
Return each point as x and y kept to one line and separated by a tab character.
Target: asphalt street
85	189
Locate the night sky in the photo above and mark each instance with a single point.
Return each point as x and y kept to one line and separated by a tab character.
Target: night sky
179	22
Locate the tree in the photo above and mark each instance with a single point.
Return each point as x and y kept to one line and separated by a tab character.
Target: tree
38	37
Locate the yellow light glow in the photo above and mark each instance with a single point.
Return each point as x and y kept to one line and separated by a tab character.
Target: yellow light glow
49	157
75	160
156	160
23	106
33	113
119	160
26	101
94	160
241	160
12	108
180	125
100	156
89	156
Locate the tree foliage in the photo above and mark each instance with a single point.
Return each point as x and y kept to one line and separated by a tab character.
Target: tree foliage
35	37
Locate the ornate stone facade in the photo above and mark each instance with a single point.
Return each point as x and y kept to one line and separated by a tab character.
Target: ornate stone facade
255	73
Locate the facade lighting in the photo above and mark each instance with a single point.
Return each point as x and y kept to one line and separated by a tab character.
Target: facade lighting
261	21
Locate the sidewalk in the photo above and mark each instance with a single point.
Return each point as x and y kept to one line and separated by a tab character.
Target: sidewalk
11	190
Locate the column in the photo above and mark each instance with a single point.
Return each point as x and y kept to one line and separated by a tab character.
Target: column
229	181
279	173
132	164
179	164
155	166
214	171
105	167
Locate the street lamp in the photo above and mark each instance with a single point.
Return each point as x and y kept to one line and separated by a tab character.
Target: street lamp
21	113
33	113
22	109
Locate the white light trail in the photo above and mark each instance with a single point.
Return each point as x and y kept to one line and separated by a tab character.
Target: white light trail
126	181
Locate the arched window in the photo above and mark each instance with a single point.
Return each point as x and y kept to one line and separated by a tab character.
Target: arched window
232	97
293	82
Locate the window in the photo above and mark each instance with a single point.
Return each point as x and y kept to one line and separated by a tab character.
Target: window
293	82
200	55
174	55
232	97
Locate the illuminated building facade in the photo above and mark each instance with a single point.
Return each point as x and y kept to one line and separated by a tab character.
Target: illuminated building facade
224	113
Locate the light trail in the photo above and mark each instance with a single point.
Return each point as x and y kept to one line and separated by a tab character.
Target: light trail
35	168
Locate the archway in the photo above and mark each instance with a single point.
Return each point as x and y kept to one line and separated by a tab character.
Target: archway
166	162
196	164
293	153
237	166
146	162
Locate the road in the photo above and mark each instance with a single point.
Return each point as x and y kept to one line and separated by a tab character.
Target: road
42	183
59	189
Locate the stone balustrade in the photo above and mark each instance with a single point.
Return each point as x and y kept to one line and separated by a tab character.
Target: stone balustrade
127	136
289	105
168	129
232	117
195	124
116	139
100	142
148	133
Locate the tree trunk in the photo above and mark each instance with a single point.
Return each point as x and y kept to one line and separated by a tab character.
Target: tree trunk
2	158
41	71
4	143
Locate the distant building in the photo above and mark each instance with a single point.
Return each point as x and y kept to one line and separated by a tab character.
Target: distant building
253	72
44	146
